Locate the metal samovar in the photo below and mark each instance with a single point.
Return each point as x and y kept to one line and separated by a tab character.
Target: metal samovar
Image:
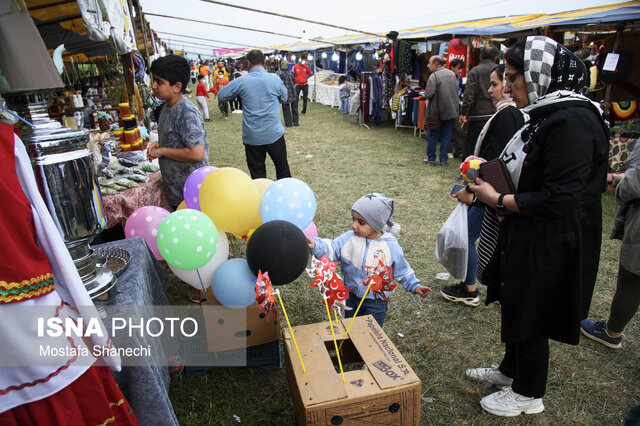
65	173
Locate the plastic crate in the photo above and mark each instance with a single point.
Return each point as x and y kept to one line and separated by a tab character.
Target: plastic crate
267	356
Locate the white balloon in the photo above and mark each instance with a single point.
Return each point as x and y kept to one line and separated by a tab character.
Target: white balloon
206	272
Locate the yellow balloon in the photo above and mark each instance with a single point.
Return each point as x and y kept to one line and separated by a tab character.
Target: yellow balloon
181	206
230	198
261	185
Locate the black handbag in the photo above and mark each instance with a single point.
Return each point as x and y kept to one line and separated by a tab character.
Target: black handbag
623	67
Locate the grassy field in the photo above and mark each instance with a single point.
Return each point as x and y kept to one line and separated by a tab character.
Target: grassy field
341	161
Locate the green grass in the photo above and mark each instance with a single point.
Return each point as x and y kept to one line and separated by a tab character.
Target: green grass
588	383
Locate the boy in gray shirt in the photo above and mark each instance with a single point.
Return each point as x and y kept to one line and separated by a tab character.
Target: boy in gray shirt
182	145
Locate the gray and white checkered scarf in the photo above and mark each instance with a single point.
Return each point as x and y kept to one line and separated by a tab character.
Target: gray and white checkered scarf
549	67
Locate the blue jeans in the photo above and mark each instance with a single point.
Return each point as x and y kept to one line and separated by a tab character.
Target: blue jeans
475	215
376	308
344	105
444	135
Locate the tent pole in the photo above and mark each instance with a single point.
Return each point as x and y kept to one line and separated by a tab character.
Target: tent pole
127	68
315	73
143	27
466	65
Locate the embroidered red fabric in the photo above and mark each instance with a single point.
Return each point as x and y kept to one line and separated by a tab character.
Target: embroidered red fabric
24	269
93	399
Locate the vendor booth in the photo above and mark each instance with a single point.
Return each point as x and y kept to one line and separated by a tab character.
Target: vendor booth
75	84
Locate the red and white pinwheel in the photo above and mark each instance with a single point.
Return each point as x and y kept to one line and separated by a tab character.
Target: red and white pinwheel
329	283
381	280
265	294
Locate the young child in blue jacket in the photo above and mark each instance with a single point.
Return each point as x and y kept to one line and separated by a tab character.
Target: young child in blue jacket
359	251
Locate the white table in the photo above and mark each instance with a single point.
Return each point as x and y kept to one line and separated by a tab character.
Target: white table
324	94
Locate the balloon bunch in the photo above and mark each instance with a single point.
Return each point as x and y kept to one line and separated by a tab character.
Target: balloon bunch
273	218
269	216
328	282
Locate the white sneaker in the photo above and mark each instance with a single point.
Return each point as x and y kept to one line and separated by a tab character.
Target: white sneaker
492	375
507	403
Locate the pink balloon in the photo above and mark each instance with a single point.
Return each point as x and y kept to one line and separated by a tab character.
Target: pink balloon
311	231
192	186
144	223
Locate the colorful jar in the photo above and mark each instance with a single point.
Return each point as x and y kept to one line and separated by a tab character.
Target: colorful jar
138	146
129	122
125	111
129	136
119	135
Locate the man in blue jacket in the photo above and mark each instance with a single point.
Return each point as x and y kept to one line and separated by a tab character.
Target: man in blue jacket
262	131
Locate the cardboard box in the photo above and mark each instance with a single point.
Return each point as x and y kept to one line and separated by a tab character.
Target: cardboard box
386	392
228	328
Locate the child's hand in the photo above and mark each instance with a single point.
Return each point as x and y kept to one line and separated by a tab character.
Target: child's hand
312	244
152	151
423	291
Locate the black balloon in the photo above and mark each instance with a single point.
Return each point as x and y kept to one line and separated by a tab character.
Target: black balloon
279	248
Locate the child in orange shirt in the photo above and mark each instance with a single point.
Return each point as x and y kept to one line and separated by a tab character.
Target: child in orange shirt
219	82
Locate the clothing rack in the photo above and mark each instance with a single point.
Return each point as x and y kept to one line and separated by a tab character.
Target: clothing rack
363	75
398	119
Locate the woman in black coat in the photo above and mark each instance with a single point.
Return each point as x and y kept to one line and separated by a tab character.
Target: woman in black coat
549	244
495	134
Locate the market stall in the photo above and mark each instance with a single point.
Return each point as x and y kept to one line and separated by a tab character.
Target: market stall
76	120
119	206
323	88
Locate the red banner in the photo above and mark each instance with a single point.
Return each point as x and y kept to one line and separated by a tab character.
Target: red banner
459	51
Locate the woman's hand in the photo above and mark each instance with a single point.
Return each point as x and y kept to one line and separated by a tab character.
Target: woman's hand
485	192
473	157
464	196
616	178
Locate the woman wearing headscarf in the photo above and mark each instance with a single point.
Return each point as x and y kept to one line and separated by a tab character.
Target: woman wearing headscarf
493	137
549	242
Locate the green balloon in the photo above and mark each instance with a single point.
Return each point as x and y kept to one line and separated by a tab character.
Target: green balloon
187	239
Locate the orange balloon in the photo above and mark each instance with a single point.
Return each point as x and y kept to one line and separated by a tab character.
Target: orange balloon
181	206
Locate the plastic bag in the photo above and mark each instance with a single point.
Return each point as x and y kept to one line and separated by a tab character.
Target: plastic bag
452	246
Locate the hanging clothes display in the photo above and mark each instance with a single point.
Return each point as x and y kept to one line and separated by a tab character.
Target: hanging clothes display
387	85
370	98
395	100
364	97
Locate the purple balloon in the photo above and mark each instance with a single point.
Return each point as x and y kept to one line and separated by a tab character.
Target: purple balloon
144	223
192	186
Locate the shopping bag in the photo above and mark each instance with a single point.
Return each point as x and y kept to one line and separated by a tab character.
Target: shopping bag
452	244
